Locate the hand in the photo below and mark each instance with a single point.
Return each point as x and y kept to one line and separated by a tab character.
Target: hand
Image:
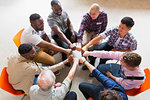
109	74
51	52
57	85
72	46
82	59
70	58
86	53
72	38
68	51
84	49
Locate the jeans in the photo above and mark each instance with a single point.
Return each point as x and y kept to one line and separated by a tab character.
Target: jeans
90	90
63	44
103	46
114	69
71	96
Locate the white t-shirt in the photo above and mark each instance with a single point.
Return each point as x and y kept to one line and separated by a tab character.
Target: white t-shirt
32	37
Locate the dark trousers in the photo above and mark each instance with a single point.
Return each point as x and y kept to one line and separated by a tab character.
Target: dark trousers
71	96
90	90
63	44
104	46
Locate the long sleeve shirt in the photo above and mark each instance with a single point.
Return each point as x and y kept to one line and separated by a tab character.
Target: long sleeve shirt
88	24
127	42
109	84
125	83
21	72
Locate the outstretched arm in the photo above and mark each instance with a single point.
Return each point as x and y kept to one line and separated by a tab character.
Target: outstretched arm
93	41
90	67
50	46
73	69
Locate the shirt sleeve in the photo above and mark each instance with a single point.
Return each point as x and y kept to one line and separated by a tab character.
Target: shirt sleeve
133	45
104	24
108	32
82	28
116	55
51	21
56	67
63	89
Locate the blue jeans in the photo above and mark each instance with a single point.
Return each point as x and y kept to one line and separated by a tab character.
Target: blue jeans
90	90
114	69
71	96
103	46
63	44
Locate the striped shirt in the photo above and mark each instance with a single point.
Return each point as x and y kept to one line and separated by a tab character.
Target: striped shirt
127	42
88	24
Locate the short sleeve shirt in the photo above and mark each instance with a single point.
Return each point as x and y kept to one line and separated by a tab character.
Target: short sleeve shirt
59	21
32	37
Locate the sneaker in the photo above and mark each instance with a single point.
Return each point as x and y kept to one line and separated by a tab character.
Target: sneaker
91	75
57	73
84	68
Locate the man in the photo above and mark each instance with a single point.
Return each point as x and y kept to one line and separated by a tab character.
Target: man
36	36
108	90
119	39
93	23
22	69
47	89
62	29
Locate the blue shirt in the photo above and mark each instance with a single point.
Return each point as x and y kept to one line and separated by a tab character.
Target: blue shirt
109	83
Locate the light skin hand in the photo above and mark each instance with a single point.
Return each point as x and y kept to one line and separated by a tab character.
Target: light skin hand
68	51
82	59
110	75
57	85
86	53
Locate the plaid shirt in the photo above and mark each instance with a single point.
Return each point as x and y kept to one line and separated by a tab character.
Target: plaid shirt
98	25
127	42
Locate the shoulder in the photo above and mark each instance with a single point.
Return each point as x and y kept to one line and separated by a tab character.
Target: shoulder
131	37
103	13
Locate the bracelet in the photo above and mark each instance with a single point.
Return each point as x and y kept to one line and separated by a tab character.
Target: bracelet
84	61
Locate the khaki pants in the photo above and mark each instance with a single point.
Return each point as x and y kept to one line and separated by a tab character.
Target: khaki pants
87	37
43	57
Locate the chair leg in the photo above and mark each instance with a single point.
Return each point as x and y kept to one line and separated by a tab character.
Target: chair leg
23	97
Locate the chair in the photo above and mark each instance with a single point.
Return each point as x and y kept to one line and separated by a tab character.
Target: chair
145	86
6	86
90	98
17	38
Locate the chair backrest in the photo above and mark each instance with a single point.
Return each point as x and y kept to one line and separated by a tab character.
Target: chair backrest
17	38
145	86
5	85
90	98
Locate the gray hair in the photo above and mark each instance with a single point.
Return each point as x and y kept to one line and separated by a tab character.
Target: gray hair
95	6
46	80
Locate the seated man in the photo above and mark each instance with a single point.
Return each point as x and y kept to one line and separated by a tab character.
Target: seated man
47	89
119	39
93	23
109	89
22	69
128	73
62	29
36	36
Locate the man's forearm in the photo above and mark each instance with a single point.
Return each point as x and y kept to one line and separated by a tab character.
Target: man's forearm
73	69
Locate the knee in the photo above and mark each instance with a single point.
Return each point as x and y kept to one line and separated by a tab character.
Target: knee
81	86
73	94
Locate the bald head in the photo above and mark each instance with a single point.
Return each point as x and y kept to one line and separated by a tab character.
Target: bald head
94	10
46	80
